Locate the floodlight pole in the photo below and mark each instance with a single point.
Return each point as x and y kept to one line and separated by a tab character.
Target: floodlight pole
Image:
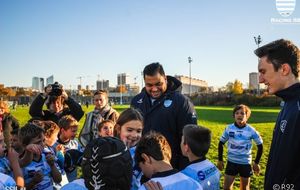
258	40
190	67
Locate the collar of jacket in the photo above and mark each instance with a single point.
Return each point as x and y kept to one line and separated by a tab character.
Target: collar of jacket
103	111
289	93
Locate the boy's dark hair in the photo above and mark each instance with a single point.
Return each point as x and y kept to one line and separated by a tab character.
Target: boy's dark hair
126	116
155	145
100	92
102	123
67	122
279	52
244	107
107	164
28	132
198	139
154	68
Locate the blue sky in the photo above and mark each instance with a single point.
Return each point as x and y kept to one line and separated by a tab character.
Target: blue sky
72	38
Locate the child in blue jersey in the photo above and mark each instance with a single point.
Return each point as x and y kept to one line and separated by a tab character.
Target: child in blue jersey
69	145
51	131
153	154
129	129
41	171
239	136
9	165
195	144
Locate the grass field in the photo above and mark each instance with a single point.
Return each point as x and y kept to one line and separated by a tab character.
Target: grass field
216	119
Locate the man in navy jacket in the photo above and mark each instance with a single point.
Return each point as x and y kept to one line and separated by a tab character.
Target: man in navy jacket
279	70
165	109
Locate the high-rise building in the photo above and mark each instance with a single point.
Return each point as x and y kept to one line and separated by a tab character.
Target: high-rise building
253	81
38	84
35	83
50	80
123	79
102	85
42	84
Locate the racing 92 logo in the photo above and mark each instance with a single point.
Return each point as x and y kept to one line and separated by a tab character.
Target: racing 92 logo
285	7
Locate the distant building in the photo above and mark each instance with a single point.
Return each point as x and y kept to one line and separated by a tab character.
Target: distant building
197	85
123	79
35	83
50	80
102	85
38	84
42	83
133	88
253	81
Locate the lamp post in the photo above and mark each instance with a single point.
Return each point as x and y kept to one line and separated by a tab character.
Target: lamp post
258	40
190	65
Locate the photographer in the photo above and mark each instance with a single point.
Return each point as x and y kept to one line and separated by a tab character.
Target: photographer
55	98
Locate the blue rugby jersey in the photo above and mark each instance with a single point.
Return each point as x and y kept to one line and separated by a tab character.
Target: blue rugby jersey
77	184
39	166
5	166
173	180
240	143
6	181
72	144
204	172
137	173
60	168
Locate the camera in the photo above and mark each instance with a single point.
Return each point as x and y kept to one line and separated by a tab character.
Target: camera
56	89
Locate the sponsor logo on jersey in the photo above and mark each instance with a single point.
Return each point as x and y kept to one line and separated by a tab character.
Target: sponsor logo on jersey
201	175
239	147
206	173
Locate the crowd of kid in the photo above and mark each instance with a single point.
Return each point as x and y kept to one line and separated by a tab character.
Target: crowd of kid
113	154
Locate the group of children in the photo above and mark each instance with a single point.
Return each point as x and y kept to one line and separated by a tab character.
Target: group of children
46	155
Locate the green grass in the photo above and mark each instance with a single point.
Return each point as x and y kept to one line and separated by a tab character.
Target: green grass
216	119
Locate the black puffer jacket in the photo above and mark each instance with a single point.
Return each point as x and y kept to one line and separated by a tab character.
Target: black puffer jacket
168	115
36	110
